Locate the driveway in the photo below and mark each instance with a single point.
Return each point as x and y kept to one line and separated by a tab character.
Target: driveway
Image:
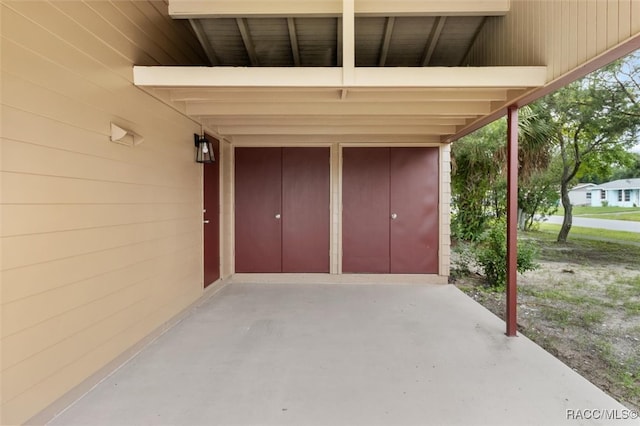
314	354
610	224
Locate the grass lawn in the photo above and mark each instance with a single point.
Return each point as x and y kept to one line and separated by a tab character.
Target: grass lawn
592	233
616	213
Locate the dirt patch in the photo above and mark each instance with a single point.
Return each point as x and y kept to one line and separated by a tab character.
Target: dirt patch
583	306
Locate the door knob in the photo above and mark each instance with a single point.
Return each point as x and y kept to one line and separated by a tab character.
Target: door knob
278	216
205	221
394	216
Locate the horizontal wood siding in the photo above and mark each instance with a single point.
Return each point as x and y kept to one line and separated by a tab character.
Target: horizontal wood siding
561	34
101	242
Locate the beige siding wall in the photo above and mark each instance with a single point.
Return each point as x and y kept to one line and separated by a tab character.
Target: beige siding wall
101	243
561	34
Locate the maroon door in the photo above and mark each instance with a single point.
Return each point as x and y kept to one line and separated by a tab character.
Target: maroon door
390	210
365	210
211	216
258	195
305	209
414	210
282	209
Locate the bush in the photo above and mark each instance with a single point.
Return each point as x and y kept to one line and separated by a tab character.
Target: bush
605	203
491	255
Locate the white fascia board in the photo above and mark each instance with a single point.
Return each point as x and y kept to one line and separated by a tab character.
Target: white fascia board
159	76
451	77
433	7
191	9
428	77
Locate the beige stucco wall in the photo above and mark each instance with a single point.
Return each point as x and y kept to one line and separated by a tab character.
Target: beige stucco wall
101	243
561	34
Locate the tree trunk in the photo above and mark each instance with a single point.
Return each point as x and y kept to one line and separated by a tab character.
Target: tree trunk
568	217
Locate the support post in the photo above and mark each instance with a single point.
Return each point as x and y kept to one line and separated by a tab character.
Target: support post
512	220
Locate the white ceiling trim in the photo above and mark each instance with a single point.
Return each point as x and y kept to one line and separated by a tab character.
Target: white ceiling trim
234	8
304	77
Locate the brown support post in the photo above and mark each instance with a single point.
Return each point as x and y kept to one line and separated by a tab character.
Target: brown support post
512	219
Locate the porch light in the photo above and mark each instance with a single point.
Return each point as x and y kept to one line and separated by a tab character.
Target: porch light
204	150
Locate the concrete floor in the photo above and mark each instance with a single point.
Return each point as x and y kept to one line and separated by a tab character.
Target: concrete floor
312	354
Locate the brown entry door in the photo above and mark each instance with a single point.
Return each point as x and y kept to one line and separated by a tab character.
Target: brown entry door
211	216
282	209
390	210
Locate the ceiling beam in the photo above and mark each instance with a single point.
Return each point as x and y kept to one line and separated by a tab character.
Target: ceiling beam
281	120
465	109
293	39
386	41
432	41
334	130
282	8
310	77
331	95
279	140
248	41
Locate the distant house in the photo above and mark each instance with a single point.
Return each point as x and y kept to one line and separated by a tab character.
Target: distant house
621	193
580	195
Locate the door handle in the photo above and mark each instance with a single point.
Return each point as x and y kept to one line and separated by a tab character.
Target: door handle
278	216
394	216
205	221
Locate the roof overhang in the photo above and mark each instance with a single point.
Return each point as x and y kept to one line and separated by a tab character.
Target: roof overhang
428	105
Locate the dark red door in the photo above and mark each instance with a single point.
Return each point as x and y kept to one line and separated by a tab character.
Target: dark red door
211	216
365	210
305	209
258	196
282	209
414	210
390	210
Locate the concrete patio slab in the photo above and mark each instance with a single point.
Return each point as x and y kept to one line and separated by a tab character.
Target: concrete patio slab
313	354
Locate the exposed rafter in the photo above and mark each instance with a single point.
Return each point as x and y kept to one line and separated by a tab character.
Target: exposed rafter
204	41
460	109
243	27
384	49
330	95
334	130
433	39
293	39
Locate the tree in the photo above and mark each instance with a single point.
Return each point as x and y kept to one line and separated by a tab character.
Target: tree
475	171
595	123
478	174
630	170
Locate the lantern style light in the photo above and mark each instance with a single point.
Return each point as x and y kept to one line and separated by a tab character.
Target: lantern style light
204	149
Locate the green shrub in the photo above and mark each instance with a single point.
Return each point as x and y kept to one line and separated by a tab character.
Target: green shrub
491	255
